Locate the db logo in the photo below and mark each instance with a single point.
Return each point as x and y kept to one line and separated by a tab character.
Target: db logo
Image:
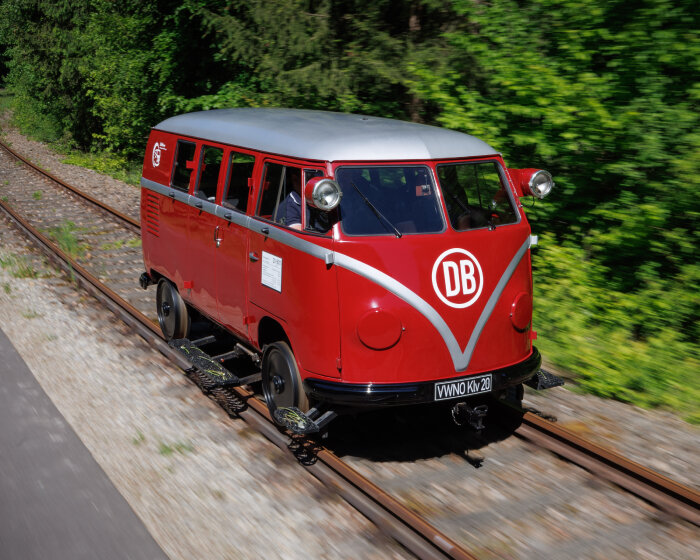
157	147
457	278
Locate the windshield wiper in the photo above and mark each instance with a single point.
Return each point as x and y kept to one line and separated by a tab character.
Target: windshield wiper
376	211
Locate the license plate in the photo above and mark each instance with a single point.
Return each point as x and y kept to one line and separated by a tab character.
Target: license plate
463	387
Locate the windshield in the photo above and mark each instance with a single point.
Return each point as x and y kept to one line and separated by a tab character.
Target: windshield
475	195
388	200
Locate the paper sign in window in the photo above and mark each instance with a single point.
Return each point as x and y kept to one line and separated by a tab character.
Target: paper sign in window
271	275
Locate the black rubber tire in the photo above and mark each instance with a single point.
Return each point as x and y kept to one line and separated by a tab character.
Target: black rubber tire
281	382
172	312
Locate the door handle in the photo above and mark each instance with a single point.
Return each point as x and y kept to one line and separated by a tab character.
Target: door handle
253	257
171	194
198	204
265	230
217	239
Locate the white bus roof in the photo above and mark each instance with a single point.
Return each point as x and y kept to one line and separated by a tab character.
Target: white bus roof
325	136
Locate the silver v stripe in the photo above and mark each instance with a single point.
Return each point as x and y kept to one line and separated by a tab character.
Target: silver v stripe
460	358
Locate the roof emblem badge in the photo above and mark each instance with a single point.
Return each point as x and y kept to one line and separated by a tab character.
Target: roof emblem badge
157	148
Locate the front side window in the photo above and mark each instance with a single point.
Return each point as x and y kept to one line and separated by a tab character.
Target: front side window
238	182
281	183
209	168
184	164
317	221
388	200
475	195
281	199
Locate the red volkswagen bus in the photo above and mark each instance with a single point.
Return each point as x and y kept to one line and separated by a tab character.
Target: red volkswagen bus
360	261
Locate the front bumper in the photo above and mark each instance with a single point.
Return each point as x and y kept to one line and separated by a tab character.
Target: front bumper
361	395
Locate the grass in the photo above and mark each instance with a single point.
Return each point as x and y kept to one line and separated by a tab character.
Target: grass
7	288
139	438
36	195
136	242
118	244
30	314
166	449
66	238
18	267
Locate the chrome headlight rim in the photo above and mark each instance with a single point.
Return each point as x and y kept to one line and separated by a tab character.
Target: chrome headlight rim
326	194
541	183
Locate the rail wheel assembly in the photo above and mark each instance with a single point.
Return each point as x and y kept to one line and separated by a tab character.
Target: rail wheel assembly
172	311
281	382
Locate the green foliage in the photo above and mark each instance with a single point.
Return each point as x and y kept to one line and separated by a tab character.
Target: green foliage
603	94
117	166
167	449
65	236
5	100
18	266
594	332
31	314
139	438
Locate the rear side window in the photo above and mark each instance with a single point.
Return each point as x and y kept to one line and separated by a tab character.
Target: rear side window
184	164
238	182
475	195
209	168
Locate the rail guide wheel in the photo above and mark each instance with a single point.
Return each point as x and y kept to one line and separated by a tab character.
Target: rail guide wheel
172	311
283	389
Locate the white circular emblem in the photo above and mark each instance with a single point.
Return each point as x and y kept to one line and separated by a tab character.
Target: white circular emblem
156	154
457	278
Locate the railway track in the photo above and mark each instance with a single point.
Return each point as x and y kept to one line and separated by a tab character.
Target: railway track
107	262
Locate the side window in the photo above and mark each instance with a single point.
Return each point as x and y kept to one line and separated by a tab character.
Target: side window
316	220
281	199
209	167
238	181
184	164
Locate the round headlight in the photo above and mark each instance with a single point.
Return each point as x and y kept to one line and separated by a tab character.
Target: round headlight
326	195
541	183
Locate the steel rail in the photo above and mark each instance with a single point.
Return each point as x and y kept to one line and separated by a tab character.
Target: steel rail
113	211
389	515
666	494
